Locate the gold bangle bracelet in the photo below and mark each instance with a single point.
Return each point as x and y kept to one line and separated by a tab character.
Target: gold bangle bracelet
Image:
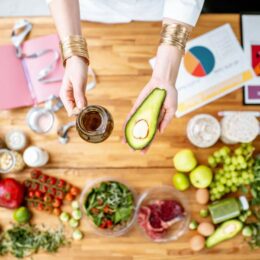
74	45
176	35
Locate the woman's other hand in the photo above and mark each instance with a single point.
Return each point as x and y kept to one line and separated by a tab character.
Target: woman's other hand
164	76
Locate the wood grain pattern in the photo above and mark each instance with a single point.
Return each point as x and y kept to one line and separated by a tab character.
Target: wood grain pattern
119	55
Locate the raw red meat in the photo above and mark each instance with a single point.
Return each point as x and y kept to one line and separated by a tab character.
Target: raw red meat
158	216
170	209
143	215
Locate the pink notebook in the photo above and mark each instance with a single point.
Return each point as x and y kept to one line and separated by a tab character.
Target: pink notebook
19	85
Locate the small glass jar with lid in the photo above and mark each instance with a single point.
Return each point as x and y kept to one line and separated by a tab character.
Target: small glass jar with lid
10	161
94	124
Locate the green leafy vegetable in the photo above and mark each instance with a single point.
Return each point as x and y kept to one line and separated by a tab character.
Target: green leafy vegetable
22	241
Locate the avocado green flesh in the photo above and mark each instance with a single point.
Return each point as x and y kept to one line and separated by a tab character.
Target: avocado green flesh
225	231
149	111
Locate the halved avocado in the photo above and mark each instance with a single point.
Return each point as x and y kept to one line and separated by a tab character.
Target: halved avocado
142	126
224	232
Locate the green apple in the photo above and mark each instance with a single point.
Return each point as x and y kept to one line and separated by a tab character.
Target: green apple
180	181
184	160
201	177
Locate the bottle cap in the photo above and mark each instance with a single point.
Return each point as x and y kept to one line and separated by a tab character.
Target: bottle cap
16	140
35	157
244	202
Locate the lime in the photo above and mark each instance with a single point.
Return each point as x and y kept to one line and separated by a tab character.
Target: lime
22	215
180	181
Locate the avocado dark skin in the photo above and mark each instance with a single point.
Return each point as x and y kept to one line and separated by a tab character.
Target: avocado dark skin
148	114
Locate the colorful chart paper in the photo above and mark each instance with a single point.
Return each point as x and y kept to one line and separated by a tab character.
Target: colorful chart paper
199	61
213	66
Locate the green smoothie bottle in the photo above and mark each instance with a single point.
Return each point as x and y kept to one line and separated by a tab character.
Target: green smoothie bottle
227	209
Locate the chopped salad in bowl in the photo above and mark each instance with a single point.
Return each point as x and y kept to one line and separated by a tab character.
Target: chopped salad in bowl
110	206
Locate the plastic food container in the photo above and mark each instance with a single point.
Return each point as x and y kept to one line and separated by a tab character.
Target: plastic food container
162	193
118	230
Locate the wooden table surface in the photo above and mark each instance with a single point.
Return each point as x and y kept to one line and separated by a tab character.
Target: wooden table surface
119	55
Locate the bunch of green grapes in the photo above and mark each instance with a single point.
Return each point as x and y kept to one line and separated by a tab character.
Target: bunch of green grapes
232	170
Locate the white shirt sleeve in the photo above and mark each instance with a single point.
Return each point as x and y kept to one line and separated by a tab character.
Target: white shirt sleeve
186	11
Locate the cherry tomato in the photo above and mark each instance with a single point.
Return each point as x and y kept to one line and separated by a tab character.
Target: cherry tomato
35	173
74	191
56	211
60	194
103	224
69	197
47	198
56	203
40	206
43	188
109	223
51	180
106	209
38	194
51	191
43	178
31	194
61	183
34	186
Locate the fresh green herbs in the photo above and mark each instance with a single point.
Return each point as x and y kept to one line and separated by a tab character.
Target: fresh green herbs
22	241
254	238
110	204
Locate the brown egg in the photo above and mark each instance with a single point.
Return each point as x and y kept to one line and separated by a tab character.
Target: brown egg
202	196
197	243
206	229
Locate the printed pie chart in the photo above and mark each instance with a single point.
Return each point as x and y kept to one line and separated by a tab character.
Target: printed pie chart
199	61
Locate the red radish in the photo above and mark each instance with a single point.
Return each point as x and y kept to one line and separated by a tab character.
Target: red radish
11	193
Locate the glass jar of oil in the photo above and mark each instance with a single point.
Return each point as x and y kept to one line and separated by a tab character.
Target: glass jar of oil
94	124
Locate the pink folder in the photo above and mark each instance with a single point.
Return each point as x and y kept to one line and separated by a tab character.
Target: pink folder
18	77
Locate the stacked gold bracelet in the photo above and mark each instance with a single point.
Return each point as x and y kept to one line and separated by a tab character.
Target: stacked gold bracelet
75	45
176	35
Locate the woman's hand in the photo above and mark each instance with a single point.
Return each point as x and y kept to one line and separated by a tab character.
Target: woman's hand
164	76
72	92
